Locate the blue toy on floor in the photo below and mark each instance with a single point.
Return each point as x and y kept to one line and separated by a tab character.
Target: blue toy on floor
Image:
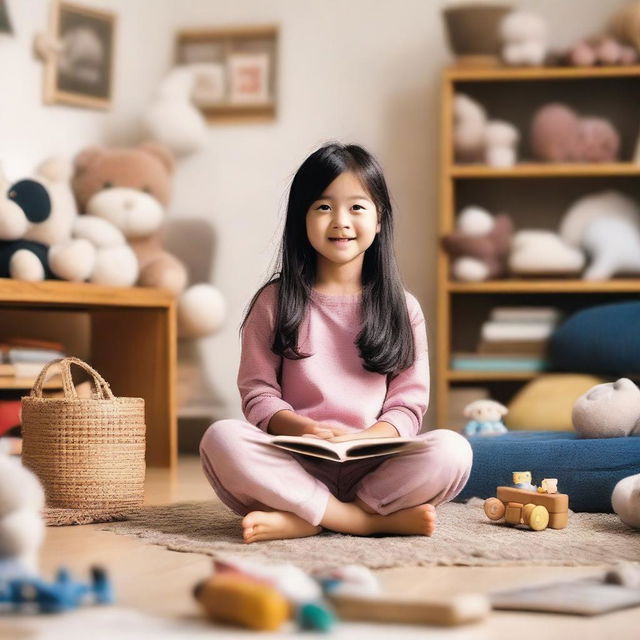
31	593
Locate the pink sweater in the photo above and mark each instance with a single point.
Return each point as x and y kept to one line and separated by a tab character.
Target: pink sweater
331	385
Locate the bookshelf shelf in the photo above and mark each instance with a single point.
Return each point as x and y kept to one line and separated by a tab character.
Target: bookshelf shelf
546	170
546	286
481	376
536	194
501	73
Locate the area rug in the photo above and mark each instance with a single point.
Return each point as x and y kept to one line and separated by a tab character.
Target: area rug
464	537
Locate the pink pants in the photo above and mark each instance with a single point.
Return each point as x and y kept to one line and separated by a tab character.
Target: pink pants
249	476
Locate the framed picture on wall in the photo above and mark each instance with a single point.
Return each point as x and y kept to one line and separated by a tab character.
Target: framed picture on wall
235	71
5	23
80	70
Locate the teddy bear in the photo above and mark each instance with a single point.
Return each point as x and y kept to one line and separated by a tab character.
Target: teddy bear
485	418
21	526
607	226
131	188
524	39
480	245
478	139
41	235
608	410
559	134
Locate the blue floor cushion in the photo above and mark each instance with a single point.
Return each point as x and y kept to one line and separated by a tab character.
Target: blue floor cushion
587	469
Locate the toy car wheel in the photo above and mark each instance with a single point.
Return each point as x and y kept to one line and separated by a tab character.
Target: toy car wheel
537	517
494	508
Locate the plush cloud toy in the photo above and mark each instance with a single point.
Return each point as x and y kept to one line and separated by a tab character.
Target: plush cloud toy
607	226
131	188
41	235
524	39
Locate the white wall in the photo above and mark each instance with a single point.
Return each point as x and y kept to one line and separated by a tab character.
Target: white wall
29	130
352	70
356	71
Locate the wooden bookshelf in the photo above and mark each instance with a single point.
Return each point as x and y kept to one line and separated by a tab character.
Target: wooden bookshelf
514	94
133	345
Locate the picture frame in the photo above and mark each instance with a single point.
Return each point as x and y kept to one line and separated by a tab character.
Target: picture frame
235	71
80	69
5	21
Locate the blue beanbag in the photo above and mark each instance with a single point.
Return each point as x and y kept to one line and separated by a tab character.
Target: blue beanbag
601	339
587	469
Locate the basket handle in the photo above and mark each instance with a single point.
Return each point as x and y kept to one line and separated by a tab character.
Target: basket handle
103	390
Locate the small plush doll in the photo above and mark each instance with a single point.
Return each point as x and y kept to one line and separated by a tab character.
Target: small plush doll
608	410
480	245
486	418
524	38
478	139
131	188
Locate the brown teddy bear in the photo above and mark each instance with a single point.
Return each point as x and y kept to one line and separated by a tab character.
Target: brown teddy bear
479	246
131	188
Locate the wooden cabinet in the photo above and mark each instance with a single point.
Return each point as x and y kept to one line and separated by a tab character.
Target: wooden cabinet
535	194
132	343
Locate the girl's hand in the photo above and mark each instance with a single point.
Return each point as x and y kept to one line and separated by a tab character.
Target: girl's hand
325	431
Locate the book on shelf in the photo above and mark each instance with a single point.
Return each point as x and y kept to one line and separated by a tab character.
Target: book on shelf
515	362
508	347
525	314
348	450
529	331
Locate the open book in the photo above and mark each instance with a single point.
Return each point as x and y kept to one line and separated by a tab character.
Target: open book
344	451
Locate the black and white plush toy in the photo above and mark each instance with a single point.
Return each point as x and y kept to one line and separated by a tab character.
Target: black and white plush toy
42	235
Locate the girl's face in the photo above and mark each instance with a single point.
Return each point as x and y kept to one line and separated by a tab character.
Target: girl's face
342	224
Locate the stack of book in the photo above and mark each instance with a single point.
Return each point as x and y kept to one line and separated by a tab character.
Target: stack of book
22	359
514	339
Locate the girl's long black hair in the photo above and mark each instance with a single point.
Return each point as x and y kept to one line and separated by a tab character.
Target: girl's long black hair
385	342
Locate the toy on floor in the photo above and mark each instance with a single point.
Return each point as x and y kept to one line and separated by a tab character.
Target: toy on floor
530	508
32	593
355	593
243	601
524	39
478	139
263	596
625	500
21	526
607	226
131	188
608	410
486	418
479	246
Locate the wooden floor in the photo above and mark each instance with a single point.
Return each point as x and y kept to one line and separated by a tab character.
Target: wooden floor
158	582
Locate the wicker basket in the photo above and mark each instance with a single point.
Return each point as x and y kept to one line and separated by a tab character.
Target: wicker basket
87	452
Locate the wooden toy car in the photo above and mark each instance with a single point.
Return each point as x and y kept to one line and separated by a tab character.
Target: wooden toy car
536	510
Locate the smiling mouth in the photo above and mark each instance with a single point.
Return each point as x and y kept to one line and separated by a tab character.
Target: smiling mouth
341	239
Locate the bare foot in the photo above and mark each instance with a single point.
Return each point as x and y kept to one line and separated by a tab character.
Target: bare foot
415	521
275	525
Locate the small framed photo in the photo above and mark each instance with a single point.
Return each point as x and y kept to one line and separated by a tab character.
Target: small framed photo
235	71
80	70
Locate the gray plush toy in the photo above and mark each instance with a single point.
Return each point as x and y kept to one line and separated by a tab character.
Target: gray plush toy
608	410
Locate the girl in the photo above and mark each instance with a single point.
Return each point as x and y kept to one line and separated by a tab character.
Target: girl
333	347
